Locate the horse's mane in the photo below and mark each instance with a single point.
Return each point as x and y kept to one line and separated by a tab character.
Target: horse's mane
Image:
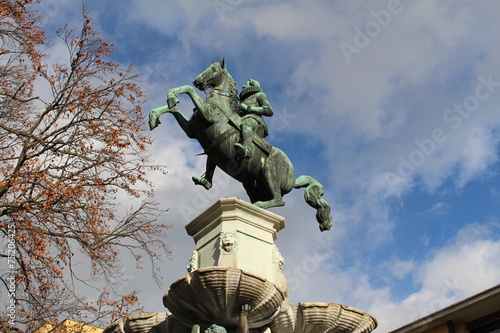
233	91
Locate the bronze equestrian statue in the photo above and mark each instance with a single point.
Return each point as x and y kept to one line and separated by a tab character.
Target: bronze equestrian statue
265	171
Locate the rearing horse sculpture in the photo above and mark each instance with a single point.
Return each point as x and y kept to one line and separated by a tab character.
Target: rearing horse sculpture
268	175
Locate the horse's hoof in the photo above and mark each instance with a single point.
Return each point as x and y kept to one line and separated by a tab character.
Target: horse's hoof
261	204
173	101
270	203
154	123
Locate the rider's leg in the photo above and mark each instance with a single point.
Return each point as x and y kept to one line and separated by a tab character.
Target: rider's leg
206	179
210	170
247	129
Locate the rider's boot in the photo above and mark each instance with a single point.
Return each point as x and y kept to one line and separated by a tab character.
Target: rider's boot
207	184
243	150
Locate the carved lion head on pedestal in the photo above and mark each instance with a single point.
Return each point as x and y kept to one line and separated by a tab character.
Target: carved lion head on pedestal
228	241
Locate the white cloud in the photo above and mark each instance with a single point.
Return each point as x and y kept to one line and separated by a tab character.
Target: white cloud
166	17
293	21
438	209
464	267
479	153
401	268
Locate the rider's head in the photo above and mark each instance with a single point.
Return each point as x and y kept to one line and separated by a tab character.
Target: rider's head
250	87
251	83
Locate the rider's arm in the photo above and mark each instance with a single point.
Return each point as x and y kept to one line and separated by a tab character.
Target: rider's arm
264	108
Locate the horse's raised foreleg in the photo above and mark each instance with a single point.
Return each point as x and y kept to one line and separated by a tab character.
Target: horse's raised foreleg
172	97
154	118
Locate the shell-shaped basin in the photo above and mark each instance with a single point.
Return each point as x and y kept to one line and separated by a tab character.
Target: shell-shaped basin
323	318
216	295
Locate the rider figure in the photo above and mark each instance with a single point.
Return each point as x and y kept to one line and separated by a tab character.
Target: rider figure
253	105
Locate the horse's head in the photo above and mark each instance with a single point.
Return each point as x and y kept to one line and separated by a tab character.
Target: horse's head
212	76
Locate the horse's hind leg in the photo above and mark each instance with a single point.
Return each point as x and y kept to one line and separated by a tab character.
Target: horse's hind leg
272	182
276	201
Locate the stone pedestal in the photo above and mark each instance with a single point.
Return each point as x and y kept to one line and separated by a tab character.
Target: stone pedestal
249	233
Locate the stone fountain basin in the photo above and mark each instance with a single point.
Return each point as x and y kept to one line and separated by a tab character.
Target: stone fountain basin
319	317
216	295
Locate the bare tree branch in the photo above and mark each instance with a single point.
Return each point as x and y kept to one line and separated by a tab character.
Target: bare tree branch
63	160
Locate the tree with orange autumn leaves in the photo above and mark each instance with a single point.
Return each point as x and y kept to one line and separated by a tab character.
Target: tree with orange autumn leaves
71	141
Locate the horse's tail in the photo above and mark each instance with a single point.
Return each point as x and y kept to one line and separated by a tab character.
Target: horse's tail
313	196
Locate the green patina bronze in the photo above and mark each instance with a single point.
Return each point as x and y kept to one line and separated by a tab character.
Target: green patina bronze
218	122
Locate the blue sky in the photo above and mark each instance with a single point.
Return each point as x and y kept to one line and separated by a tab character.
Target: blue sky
392	105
